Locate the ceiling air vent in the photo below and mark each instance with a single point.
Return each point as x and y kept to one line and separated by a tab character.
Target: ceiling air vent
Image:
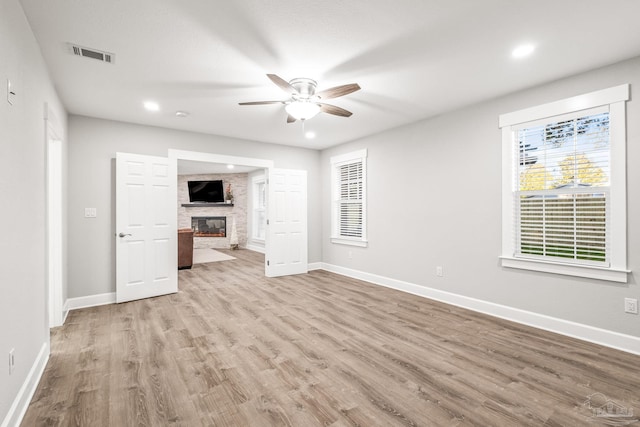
92	53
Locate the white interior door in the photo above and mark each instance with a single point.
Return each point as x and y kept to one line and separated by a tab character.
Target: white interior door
146	238
286	244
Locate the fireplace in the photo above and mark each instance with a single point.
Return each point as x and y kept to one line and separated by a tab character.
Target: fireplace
209	226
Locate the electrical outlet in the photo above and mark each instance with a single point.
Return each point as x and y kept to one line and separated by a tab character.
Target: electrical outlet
12	360
631	305
439	271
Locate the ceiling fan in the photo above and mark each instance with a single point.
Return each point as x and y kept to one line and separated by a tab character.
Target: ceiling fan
304	102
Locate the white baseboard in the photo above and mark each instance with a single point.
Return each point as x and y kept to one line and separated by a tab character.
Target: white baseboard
314	266
628	343
65	311
255	248
91	301
26	392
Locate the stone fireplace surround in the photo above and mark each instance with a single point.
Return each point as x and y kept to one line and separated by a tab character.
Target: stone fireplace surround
239	182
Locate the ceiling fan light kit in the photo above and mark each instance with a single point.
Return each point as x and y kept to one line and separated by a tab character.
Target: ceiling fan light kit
305	102
302	110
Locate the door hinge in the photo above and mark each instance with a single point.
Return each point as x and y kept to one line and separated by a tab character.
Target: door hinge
267	262
267	222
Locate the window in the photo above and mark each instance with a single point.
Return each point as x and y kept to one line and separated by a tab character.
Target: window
348	218
259	208
564	194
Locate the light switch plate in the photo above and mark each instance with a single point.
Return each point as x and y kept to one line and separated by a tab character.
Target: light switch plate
90	212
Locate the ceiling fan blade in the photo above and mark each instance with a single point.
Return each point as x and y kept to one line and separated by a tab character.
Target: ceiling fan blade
337	91
283	84
290	119
261	102
336	111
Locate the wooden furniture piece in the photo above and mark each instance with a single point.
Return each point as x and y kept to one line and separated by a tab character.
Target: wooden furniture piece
185	248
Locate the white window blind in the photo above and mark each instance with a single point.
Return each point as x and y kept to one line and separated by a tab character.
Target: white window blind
562	188
350	202
349	198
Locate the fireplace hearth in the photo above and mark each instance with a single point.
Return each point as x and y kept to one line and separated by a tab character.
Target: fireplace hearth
209	226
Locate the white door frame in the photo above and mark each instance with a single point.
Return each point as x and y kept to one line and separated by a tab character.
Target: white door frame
175	155
54	211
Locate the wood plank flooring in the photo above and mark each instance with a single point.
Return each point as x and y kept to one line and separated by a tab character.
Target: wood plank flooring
234	348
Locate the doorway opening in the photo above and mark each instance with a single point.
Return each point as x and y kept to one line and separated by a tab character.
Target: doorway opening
207	165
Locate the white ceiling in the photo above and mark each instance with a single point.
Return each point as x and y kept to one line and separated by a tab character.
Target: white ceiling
413	58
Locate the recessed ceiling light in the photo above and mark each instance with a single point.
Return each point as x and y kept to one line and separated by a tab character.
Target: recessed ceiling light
310	135
523	50
230	166
151	106
181	114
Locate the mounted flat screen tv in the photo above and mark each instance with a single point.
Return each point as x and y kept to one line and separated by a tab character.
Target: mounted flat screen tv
206	191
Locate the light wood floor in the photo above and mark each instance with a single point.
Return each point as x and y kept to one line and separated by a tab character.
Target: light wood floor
234	348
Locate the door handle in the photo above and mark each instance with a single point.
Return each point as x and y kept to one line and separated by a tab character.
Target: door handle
123	234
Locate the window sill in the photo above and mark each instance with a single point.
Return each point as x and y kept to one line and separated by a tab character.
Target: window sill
343	241
610	274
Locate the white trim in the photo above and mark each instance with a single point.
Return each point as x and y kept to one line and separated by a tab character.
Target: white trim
65	311
628	343
25	394
256	208
576	103
314	266
508	225
618	186
591	272
54	213
91	301
344	241
349	157
255	248
218	158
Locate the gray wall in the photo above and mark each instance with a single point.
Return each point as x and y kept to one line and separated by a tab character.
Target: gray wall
434	199
92	147
23	311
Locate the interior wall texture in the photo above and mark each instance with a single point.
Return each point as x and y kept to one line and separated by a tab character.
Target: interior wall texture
93	144
434	199
23	280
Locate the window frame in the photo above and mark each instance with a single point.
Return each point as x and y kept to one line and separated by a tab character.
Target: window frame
256	208
359	156
615	99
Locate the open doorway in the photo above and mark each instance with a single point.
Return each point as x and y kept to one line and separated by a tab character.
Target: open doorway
215	209
214	225
286	189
